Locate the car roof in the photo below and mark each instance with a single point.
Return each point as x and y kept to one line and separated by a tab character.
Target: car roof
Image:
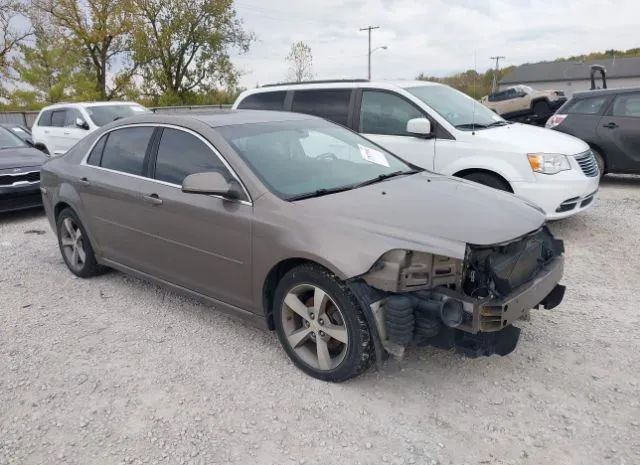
87	104
217	118
341	84
593	93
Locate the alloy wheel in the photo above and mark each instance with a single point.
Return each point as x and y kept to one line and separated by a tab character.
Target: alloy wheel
314	327
73	244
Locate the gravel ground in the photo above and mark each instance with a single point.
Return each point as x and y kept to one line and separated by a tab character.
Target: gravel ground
114	370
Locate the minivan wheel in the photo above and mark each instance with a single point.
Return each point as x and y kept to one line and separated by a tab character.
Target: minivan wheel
320	325
75	246
489	180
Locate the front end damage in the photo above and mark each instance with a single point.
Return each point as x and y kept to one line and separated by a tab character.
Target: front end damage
471	304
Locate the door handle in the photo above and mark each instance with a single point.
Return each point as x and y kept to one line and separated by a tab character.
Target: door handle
66	133
153	199
84	181
610	125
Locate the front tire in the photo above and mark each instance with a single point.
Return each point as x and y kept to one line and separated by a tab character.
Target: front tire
489	180
75	246
320	325
542	109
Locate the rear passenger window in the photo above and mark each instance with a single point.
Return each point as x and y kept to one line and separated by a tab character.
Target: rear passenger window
125	150
45	118
330	104
385	113
626	105
96	154
181	154
588	106
58	118
264	101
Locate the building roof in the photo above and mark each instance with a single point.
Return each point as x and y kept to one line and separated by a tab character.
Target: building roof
547	71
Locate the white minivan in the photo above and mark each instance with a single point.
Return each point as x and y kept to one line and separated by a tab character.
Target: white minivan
443	130
59	127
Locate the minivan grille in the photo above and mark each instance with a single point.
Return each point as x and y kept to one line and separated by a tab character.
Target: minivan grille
588	163
9	180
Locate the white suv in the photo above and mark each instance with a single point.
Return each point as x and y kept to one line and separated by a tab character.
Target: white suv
58	127
438	128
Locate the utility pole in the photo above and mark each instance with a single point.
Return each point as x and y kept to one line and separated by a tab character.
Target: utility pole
494	85
369	29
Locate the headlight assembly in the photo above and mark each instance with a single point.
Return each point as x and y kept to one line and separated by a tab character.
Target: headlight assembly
548	163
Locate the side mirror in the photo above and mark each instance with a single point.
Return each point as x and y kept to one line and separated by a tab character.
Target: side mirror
82	124
211	183
419	127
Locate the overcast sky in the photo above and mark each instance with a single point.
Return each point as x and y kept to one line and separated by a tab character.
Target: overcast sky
437	37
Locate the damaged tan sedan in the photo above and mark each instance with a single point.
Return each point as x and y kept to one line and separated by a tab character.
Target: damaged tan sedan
307	228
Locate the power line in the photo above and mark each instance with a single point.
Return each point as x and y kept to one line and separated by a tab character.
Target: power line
494	84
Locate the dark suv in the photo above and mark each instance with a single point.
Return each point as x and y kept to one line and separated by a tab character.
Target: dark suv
609	121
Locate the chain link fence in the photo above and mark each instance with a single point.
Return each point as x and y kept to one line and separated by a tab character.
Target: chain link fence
27	118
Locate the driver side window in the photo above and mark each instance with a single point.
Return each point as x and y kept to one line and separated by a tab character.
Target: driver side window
386	114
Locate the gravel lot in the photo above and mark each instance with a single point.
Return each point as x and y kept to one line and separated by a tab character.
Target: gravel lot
114	370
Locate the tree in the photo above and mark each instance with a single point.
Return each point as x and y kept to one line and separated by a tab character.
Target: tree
300	61
10	35
181	47
101	28
52	72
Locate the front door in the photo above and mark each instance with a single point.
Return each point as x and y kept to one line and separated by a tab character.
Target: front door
619	133
203	242
383	119
71	132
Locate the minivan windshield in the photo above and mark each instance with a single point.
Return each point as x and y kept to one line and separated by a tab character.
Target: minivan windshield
311	158
105	114
9	140
457	108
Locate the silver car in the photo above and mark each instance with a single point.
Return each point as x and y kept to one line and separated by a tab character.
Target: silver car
307	228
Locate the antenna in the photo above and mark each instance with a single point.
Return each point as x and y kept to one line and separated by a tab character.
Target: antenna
475	75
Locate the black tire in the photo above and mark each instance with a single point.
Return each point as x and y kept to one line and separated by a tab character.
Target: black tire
542	109
90	266
489	180
602	166
359	353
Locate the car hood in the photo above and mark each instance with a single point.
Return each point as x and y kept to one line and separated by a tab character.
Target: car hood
524	138
426	212
21	157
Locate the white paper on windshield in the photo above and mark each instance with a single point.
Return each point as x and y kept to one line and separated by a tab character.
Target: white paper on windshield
373	156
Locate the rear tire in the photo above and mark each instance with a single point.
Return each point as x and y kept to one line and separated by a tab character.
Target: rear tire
542	109
320	325
602	167
75	246
489	180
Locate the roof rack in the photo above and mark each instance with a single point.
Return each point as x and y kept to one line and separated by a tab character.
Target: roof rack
326	81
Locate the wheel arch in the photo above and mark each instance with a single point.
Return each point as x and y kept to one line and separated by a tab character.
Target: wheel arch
468	171
537	100
274	276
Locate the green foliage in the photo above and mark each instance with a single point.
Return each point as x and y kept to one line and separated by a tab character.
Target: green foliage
181	47
632	52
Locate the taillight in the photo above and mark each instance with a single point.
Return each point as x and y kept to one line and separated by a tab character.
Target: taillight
554	121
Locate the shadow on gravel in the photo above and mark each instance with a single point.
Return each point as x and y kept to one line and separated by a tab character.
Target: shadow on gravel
623	180
21	215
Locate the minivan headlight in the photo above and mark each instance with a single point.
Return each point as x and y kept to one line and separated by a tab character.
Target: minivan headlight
548	163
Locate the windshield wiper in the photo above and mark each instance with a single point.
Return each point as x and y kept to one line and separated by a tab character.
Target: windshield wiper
471	126
495	124
319	193
382	177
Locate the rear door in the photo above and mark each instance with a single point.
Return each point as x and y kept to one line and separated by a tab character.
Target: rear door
201	242
619	132
55	133
111	190
383	118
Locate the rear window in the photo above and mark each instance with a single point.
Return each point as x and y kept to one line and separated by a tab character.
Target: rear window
587	106
125	150
264	101
328	103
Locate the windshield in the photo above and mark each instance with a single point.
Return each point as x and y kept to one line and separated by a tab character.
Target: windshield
457	108
104	114
296	159
9	140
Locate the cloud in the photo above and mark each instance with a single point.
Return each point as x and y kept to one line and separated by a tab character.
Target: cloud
436	37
